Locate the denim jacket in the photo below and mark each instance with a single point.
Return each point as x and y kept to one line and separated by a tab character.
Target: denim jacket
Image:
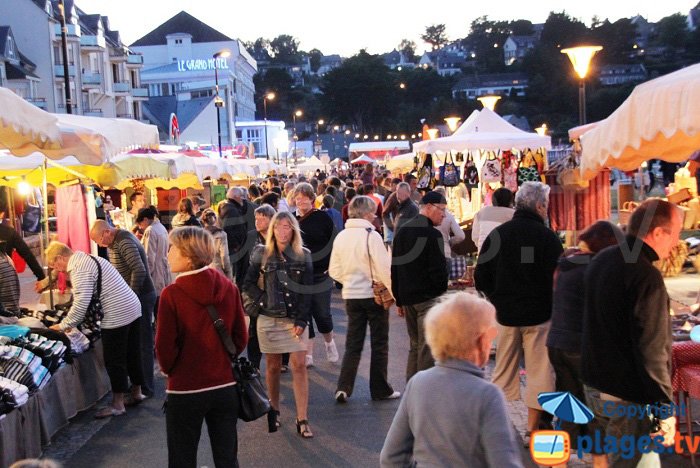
288	283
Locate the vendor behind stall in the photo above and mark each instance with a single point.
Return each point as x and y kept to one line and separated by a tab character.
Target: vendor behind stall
10	241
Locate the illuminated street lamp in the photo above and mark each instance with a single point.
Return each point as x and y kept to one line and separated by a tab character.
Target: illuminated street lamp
452	123
318	137
218	102
433	133
297	113
489	101
542	131
581	60
267	97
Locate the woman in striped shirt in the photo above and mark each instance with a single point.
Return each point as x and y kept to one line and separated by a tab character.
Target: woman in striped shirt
120	325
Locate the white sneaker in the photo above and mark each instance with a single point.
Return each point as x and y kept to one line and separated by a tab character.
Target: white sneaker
393	396
332	352
341	397
309	360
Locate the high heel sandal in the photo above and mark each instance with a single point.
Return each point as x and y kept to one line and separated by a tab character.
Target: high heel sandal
304	430
273	420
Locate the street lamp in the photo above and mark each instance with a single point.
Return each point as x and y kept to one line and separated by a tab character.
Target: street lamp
452	123
433	133
581	60
489	102
267	97
218	102
318	137
297	113
542	131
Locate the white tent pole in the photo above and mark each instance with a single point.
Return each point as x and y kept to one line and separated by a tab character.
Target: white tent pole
45	191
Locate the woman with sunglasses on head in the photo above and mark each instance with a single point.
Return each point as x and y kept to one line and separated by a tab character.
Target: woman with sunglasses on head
287	280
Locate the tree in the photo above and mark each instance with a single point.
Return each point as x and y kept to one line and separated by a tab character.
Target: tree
435	35
486	39
362	92
258	46
285	49
408	48
672	31
315	59
521	28
617	40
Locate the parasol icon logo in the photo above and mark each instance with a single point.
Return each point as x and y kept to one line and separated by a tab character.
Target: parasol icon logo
550	448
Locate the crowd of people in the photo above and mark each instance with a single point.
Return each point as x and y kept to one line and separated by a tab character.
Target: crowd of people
283	246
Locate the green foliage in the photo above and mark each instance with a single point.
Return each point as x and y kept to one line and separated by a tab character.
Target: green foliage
285	50
617	39
435	35
315	59
672	31
408	48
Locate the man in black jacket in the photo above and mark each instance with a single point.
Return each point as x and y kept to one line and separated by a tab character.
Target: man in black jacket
233	216
419	275
626	341
516	270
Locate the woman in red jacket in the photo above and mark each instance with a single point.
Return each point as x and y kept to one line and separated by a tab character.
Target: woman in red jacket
200	381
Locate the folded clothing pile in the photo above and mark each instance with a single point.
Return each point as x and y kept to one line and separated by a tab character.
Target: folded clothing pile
50	352
23	366
12	395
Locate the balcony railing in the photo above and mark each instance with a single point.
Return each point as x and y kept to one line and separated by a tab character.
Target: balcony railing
92	79
58	70
92	41
72	30
93	112
139	92
120	87
136	59
125	116
39	102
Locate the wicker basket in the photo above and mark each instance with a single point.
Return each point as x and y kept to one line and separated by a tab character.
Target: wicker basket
624	213
673	265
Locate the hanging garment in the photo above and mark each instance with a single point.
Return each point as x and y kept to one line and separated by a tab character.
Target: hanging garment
72	217
510	171
9	286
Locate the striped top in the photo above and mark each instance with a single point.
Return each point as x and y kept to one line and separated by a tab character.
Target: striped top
119	302
129	258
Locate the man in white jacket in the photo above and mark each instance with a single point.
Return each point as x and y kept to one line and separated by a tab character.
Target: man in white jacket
359	258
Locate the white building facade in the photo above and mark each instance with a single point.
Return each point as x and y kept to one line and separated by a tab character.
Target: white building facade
181	73
104	75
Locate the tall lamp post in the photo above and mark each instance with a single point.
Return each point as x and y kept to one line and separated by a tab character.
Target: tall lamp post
267	97
297	113
218	102
318	137
451	123
581	60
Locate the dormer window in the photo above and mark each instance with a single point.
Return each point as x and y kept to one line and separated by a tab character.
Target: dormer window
178	41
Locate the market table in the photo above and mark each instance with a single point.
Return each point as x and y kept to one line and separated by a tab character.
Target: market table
25	431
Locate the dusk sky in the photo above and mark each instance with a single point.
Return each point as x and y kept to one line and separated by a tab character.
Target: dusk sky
346	27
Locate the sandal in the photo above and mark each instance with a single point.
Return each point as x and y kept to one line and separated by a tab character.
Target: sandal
304	430
133	401
108	412
273	420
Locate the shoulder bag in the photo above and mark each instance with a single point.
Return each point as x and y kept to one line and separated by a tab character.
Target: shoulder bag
449	172
527	173
491	171
382	295
425	173
254	402
91	324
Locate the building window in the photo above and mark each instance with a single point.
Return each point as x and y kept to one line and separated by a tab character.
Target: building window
178	41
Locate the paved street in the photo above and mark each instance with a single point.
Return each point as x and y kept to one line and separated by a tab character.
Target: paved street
345	435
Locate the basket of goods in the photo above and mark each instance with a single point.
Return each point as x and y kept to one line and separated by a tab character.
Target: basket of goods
625	212
673	265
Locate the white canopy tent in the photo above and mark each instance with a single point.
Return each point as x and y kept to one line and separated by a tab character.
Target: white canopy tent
310	165
660	119
24	127
363	159
484	130
402	162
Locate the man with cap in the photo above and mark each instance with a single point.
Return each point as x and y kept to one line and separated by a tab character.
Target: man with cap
419	275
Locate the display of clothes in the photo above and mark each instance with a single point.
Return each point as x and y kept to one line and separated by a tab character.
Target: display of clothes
12	395
571	210
72	216
23	366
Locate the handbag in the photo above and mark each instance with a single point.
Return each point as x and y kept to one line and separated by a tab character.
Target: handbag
254	402
449	173
529	173
471	174
491	171
425	173
382	295
458	267
91	324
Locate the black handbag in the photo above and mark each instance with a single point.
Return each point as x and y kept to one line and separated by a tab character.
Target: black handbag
91	324
253	400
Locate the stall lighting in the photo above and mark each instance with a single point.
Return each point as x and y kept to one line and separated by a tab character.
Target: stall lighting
403	137
489	102
452	123
376	137
24	188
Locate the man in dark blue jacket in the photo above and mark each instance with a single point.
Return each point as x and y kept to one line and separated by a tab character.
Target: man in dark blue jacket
516	271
